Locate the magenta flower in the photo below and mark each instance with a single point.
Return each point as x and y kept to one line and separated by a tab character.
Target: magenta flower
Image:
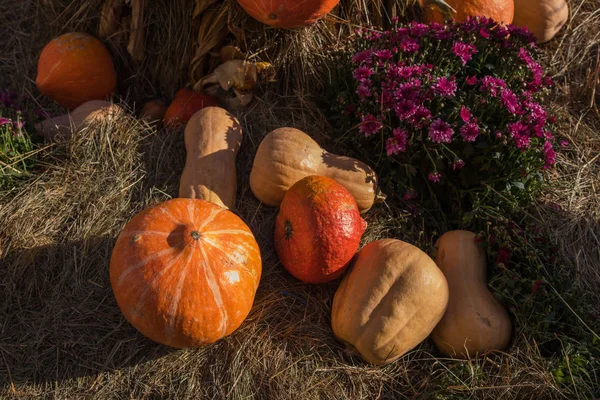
363	72
464	51
549	154
370	125
564	143
510	101
458	164
384	55
522	141
410	195
440	131
492	84
465	114
445	87
469	132
363	91
421	117
363	56
409	45
4	121
471	80
417	29
405	109
397	143
434	176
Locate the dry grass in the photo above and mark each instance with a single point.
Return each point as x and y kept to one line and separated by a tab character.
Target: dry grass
61	333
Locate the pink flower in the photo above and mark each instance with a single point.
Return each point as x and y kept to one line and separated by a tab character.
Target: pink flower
418	29
440	131
409	45
458	164
564	143
464	51
397	143
549	154
469	132
410	195
509	99
434	176
465	114
370	125
361	57
4	121
383	55
363	72
405	109
363	91
421	117
522	141
445	87
471	80
492	84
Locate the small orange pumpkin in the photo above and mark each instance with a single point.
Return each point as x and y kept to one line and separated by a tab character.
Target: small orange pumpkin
501	11
318	229
75	68
185	272
186	103
288	13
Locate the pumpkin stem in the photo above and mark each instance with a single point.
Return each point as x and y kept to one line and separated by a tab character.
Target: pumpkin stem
195	235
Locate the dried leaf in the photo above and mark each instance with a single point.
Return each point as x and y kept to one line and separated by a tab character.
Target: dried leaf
136	38
231	53
240	100
213	29
110	18
201	6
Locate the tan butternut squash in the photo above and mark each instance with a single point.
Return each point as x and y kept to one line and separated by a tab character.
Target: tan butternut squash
475	322
212	140
82	116
390	301
287	155
544	18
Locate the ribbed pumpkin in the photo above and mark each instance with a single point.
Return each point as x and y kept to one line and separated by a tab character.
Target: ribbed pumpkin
318	229
185	272
543	18
185	104
75	68
502	11
288	13
390	300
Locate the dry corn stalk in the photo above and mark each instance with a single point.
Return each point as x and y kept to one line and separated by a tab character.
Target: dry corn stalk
211	17
112	22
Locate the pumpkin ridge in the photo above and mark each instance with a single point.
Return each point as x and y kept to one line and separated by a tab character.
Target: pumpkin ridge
173	219
172	313
213	284
210	218
229	257
141	264
128	234
146	290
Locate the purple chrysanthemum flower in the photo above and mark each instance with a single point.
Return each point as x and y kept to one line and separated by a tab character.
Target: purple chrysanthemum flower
409	45
421	117
363	72
458	164
417	29
522	141
363	56
564	143
444	87
440	131
384	54
469	132
398	142
408	90
434	176
370	125
471	80
492	84
405	109
364	90
4	121
464	51
465	114
549	154
510	101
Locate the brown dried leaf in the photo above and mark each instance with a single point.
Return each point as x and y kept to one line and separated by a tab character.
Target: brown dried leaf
213	29
136	38
231	53
201	6
110	18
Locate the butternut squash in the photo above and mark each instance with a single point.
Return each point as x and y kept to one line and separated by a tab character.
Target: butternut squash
475	322
82	116
287	155
390	301
212	140
543	18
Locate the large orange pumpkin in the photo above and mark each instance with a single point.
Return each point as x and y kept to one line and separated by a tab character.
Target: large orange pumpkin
502	11
185	104
318	229
288	13
75	68
185	272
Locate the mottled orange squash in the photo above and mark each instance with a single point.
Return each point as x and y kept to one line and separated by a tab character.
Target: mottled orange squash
185	272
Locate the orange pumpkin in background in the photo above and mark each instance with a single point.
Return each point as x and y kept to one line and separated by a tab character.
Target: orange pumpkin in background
185	272
186	103
502	11
75	68
288	13
318	229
